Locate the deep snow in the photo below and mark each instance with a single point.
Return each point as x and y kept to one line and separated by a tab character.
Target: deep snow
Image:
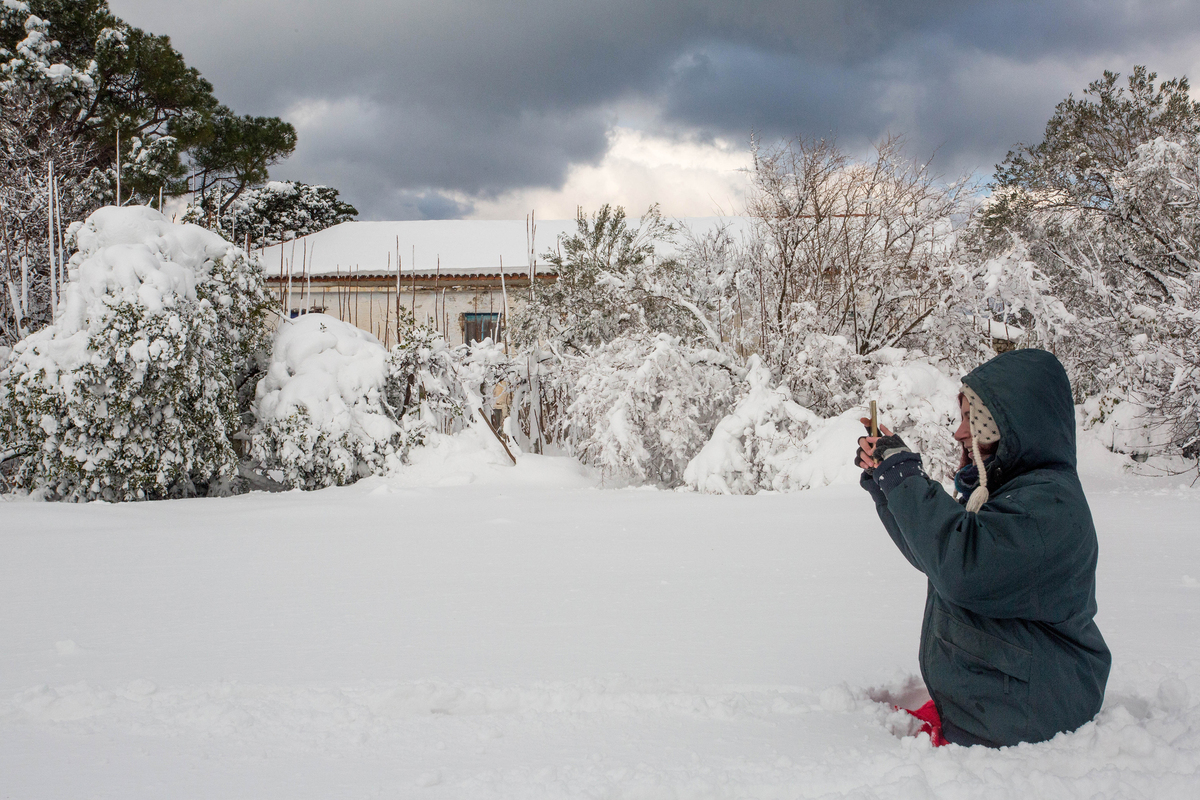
470	629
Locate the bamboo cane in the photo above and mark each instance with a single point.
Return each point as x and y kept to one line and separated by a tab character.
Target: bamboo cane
62	245
504	317
50	240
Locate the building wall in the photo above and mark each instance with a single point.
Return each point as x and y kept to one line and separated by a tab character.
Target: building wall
373	308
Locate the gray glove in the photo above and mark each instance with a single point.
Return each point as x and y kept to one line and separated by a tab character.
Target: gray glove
888	446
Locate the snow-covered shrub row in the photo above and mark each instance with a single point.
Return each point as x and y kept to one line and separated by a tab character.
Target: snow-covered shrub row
336	406
132	392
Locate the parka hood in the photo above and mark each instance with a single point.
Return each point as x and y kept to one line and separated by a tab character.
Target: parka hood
1029	396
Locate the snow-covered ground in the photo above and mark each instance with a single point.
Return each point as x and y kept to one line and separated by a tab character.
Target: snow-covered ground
467	629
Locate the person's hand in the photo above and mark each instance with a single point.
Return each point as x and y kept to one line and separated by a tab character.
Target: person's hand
864	458
872	449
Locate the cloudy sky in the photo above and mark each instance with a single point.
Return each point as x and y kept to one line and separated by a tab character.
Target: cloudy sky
490	108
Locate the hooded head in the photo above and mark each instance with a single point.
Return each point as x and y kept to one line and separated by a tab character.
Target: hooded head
1028	396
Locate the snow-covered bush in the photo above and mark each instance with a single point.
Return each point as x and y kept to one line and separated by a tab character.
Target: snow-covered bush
323	418
769	442
755	444
483	372
131	393
825	374
645	405
539	387
424	387
918	400
336	406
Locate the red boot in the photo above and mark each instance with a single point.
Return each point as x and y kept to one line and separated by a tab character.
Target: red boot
931	723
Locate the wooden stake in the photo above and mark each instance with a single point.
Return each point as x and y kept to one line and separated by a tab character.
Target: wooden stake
436	275
496	433
308	280
290	270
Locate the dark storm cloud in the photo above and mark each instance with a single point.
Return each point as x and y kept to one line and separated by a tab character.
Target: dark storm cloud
414	108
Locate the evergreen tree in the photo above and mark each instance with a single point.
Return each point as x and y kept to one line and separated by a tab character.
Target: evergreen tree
236	153
1107	207
278	212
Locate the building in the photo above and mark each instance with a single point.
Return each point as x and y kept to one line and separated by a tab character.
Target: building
457	276
460	277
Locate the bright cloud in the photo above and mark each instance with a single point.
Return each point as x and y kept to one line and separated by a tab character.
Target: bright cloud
688	178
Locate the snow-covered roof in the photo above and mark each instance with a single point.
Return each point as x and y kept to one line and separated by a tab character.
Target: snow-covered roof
463	247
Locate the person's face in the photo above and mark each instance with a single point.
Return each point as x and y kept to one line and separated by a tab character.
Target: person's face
963	434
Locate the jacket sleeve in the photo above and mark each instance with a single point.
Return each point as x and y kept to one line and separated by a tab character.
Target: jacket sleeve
986	562
885	516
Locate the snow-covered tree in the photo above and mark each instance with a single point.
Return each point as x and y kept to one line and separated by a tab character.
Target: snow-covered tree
642	406
275	212
610	282
131	393
37	147
111	106
1107	206
845	248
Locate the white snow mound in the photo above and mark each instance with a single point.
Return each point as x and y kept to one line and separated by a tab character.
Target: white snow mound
135	253
333	371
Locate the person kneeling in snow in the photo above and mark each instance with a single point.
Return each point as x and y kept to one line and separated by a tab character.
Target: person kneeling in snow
1010	651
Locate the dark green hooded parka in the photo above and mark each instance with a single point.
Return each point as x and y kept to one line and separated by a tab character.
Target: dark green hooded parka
1009	649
